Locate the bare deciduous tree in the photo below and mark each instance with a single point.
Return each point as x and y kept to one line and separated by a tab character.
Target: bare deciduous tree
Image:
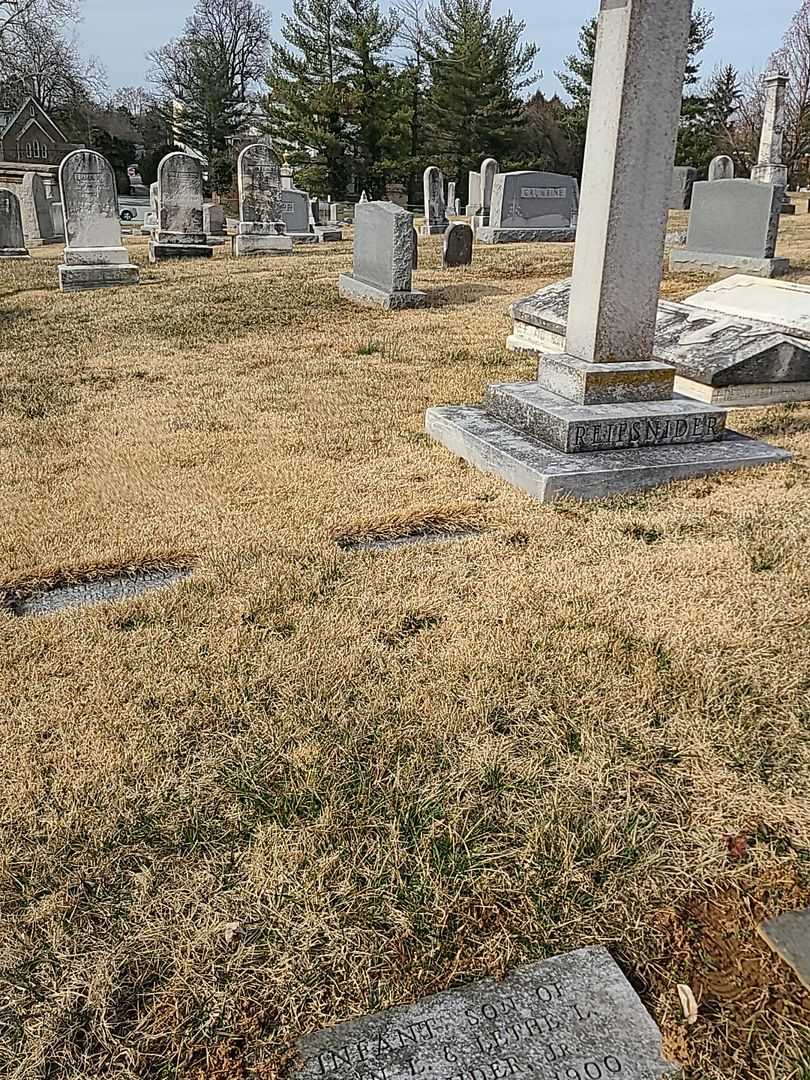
15	12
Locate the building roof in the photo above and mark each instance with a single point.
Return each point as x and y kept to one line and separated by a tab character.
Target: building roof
11	118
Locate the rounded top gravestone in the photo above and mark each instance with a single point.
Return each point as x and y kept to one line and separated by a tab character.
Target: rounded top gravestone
259	174
721	168
89	201
180	198
11	227
489	170
457	247
36	210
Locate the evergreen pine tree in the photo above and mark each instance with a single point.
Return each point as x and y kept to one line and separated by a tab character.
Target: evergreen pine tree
479	67
306	102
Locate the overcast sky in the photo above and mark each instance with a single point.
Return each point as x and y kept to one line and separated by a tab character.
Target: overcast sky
746	31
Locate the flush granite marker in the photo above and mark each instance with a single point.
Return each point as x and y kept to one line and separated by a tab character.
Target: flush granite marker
601	417
384	252
95	256
573	1017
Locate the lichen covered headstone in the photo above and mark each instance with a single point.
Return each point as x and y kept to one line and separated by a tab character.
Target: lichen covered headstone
261	230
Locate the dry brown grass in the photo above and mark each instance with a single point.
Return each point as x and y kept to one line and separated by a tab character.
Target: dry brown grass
308	782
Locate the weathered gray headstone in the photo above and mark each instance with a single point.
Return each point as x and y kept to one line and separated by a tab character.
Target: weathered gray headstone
95	257
180	233
489	170
721	168
601	417
473	193
383	258
574	1017
12	237
435	210
36	212
450	201
733	225
457	207
742	342
683	179
261	230
457	246
294	211
531	207
770	168
213	219
150	218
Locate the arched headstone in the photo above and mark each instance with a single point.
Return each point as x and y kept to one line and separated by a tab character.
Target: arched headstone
261	230
457	248
180	233
95	257
721	168
36	212
12	238
489	170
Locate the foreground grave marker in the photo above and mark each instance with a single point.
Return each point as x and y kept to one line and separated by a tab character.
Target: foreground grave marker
383	258
574	1017
95	257
601	417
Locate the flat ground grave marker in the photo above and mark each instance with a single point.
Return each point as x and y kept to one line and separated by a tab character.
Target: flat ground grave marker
574	1017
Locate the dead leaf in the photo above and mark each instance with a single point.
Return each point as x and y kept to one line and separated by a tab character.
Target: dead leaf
688	1003
737	846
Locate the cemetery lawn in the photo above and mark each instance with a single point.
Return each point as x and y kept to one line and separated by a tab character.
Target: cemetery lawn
312	781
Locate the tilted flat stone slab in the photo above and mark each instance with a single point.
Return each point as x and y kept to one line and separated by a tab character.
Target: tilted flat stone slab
81	278
546	474
576	429
684	261
352	288
785	304
488	234
574	1017
789	936
720	357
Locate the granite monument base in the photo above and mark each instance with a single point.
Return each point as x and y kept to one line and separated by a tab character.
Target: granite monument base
491	235
303	238
361	292
328	234
259	244
14	253
695	262
548	474
159	252
104	276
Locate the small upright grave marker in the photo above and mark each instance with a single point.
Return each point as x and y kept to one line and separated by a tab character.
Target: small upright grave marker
473	194
12	237
95	257
457	246
383	258
489	170
294	211
683	180
261	230
532	207
574	1017
435	209
721	168
180	233
36	212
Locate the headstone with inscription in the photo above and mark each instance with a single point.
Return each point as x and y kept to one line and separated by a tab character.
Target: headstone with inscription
601	417
457	245
721	168
435	209
383	258
489	170
733	226
574	1017
532	207
683	180
12	237
36	213
95	257
744	341
180	233
473	194
294	211
261	230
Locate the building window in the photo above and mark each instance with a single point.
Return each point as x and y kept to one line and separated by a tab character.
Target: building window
28	152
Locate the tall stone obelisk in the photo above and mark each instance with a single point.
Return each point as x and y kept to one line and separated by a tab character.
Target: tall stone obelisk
601	417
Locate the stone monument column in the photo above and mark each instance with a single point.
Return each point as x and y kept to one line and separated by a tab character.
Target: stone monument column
769	168
602	417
